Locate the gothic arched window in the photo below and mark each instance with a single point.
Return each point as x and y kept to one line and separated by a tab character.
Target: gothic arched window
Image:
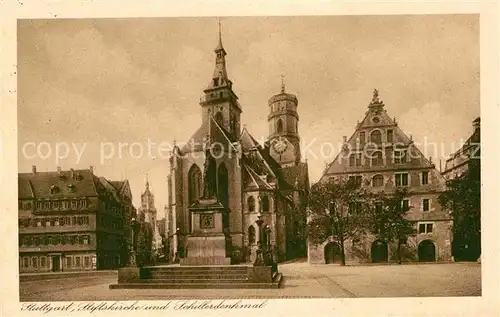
265	204
219	118
251	235
251	204
376	137
223	193
194	183
279	126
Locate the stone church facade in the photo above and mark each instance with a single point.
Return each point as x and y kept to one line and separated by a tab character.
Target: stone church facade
223	171
382	157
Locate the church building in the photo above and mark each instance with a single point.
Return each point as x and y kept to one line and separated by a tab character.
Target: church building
380	156
222	180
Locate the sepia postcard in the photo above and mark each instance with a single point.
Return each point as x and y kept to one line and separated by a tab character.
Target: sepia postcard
261	158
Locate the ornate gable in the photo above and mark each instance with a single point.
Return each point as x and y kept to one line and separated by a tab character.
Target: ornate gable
378	143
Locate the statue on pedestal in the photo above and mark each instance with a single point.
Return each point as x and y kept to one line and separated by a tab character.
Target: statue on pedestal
210	175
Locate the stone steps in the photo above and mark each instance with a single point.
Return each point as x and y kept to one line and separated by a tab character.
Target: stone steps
231	276
197	275
205	285
191	280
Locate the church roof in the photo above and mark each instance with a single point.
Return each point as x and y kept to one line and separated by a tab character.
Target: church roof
208	127
257	182
247	141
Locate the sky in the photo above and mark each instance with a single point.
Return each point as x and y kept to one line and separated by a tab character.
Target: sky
90	87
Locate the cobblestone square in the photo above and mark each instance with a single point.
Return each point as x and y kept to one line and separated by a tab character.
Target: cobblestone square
301	280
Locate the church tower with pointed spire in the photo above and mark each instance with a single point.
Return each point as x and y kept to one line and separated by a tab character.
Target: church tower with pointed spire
219	100
222	178
148	208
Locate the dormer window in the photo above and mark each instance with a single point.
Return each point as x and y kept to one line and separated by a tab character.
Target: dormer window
216	81
54	189
72	188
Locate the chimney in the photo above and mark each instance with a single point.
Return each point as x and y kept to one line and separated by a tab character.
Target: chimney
345	139
59	170
91	168
72	173
33	169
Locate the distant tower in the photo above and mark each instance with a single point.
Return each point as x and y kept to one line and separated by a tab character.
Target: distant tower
219	100
148	209
148	205
283	122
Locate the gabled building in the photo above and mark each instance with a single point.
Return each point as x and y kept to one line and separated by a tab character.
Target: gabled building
460	162
380	156
250	178
71	220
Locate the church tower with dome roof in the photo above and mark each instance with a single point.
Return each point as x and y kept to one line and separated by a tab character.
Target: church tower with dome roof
283	119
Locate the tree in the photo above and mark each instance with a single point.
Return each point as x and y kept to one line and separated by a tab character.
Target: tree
144	244
463	198
390	217
340	209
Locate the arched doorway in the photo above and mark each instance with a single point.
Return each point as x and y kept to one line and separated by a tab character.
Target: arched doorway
426	251
332	253
379	251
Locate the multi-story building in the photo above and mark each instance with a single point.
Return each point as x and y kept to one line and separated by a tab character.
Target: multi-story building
269	179
460	162
465	164
71	220
380	156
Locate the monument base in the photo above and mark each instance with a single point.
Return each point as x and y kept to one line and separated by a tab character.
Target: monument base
206	250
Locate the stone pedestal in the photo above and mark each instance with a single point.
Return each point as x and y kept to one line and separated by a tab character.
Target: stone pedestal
206	244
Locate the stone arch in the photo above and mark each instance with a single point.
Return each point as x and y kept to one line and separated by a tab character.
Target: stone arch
378	180
251	235
376	136
195	188
427	251
332	253
379	251
279	126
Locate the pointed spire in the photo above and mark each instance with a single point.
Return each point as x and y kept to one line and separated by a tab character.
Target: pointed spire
282	84
219	45
147	182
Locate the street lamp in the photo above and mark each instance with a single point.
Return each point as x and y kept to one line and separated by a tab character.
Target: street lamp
269	254
177	248
259	260
133	260
268	235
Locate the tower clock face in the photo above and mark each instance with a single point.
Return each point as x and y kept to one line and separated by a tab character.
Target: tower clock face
280	146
